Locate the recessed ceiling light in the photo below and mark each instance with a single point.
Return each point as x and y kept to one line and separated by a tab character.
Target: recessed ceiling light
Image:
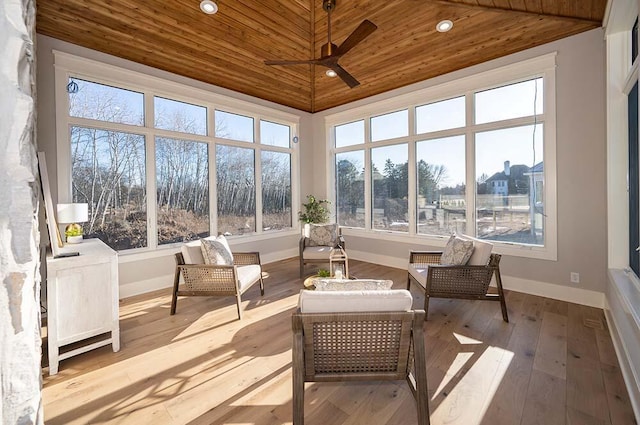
444	26
208	7
331	73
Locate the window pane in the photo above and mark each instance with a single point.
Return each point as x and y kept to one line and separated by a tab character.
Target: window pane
105	103
441	186
236	190
276	190
180	116
350	134
274	134
108	173
350	188
390	188
510	185
512	101
389	126
182	178
234	126
441	115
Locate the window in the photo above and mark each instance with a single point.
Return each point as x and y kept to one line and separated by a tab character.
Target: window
182	185
349	134
236	190
389	180
194	168
108	172
179	116
276	190
350	188
234	126
441	200
481	161
390	126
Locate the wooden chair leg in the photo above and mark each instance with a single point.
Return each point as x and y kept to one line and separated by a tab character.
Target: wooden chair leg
420	370
301	268
238	302
426	305
174	298
297	366
503	303
408	281
261	284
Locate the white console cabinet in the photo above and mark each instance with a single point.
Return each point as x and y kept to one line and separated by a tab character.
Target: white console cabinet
82	300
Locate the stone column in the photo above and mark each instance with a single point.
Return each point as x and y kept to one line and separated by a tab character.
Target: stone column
20	344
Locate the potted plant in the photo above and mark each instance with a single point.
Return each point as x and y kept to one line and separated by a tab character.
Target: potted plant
315	211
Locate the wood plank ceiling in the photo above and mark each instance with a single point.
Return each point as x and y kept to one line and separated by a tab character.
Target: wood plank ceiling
228	49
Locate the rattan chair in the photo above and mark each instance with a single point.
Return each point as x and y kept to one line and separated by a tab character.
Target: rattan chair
317	254
217	281
359	346
445	281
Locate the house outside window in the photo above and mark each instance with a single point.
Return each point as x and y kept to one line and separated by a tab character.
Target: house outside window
161	164
474	156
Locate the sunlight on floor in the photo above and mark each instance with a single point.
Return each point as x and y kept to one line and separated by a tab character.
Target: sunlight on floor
466	398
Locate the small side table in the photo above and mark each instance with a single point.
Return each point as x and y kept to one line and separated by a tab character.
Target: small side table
338	258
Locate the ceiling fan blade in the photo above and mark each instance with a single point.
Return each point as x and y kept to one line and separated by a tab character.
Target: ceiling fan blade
346	77
363	31
300	62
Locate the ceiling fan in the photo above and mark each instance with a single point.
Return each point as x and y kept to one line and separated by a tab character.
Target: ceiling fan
330	53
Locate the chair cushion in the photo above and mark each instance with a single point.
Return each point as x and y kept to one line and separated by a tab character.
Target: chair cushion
481	251
323	234
457	252
247	276
216	251
192	253
354	301
316	253
419	273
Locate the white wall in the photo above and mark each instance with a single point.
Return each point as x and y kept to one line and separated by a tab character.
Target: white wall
143	272
580	156
581	175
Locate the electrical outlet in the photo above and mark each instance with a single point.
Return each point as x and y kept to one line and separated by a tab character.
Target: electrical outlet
575	277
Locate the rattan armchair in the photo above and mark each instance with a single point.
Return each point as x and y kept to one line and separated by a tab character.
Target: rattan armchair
445	281
359	346
317	254
217	281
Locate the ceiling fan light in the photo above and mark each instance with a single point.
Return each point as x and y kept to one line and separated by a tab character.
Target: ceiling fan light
444	26
331	73
208	7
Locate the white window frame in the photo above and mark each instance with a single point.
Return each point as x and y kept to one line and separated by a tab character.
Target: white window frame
71	66
542	66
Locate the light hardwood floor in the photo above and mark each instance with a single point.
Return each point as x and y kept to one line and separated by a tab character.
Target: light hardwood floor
554	363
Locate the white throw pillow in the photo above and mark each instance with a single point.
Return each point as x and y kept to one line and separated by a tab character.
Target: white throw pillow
216	251
457	252
323	234
481	251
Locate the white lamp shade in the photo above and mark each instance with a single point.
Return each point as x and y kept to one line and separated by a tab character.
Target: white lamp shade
73	213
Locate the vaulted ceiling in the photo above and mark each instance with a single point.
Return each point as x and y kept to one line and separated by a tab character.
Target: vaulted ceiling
228	49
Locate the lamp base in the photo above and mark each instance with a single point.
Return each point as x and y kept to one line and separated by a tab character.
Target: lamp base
74	239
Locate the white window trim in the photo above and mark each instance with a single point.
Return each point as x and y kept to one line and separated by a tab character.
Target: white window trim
541	66
67	65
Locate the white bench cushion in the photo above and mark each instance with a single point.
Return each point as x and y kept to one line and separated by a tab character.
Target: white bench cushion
317	253
247	276
355	301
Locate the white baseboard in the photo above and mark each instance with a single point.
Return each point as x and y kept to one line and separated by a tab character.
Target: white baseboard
532	287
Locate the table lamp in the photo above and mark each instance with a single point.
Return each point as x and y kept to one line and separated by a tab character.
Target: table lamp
72	214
